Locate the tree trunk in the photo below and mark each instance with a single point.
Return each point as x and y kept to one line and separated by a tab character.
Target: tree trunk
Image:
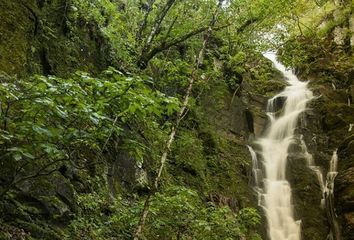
144	214
156	27
145	20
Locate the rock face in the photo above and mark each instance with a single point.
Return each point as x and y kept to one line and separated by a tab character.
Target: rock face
35	39
306	189
325	128
327	125
307	196
344	187
341	132
339	35
40	37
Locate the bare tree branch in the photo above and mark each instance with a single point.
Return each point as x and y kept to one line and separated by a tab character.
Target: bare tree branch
180	114
145	58
157	24
43	171
145	20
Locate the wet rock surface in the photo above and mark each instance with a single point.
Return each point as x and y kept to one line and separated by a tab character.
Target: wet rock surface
325	128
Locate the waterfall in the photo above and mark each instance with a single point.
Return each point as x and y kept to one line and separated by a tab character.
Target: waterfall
329	198
316	169
276	199
257	174
327	189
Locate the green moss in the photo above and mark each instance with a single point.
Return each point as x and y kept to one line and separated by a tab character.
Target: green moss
16	32
40	230
341	19
228	172
212	164
43	40
263	78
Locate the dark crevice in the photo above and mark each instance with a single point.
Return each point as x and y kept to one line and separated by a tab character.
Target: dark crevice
34	17
46	67
40	3
279	103
249	119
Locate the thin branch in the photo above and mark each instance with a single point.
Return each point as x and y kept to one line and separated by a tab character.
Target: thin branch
157	25
6	116
297	19
145	20
170	28
110	134
180	114
40	173
246	24
233	96
121	94
145	58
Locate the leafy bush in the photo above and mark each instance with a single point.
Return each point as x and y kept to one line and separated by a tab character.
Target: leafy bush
176	213
46	121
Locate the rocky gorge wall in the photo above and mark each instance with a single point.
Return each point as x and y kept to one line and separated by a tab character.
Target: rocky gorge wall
36	38
328	128
326	60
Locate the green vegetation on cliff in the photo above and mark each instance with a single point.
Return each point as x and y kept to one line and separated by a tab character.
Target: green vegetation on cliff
90	90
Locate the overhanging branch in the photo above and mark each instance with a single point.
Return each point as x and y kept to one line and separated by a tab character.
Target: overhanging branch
145	58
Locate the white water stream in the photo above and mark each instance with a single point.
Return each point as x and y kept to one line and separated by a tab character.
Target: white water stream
276	190
257	175
316	169
328	198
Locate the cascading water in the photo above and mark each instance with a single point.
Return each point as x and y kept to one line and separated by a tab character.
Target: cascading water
327	189
329	198
257	174
316	169
276	191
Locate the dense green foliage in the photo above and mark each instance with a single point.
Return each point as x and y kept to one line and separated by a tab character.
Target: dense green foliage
67	130
320	39
46	119
178	213
100	136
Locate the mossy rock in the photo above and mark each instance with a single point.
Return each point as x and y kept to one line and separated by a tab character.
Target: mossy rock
35	38
40	231
307	197
16	33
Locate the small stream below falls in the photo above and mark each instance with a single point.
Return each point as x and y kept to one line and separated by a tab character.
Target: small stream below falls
273	189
